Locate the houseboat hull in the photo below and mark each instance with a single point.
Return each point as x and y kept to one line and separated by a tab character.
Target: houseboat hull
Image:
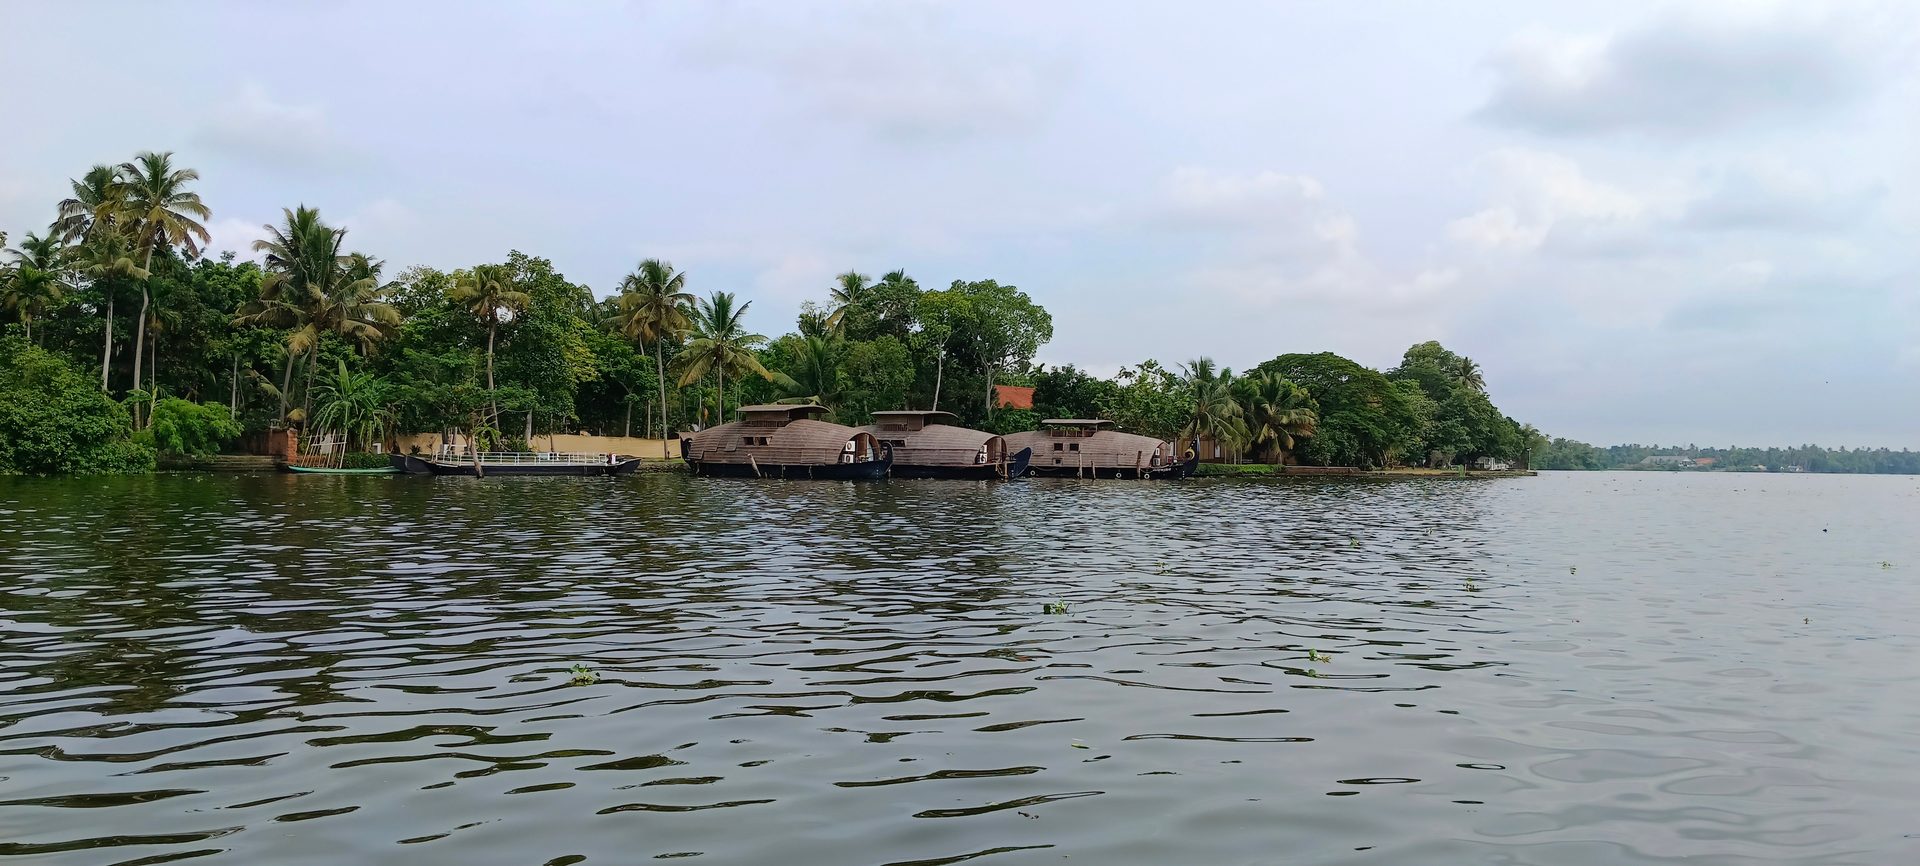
412	465
1016	466
323	470
860	471
1183	469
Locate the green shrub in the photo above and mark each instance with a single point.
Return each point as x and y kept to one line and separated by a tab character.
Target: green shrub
364	460
56	421
1228	470
191	429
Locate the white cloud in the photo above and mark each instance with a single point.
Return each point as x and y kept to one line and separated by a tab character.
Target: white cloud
1770	194
1708	69
1536	193
237	235
252	126
896	71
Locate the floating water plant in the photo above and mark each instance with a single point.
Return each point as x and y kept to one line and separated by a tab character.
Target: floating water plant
1471	587
582	675
1885	564
1314	655
1054	608
1079	745
1313	673
1573	569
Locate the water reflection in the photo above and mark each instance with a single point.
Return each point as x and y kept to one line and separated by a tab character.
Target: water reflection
1572	669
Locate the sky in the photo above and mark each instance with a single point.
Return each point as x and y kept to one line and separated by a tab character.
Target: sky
1649	222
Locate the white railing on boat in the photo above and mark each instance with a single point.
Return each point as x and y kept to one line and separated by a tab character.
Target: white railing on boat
516	458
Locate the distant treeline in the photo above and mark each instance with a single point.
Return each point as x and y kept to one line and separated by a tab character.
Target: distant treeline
1569	454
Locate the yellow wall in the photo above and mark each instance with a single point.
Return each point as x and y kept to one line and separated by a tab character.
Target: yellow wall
625	446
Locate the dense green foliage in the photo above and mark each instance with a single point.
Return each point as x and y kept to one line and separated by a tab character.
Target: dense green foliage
189	429
54	420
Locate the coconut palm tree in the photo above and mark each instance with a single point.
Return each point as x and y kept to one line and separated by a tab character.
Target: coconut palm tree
1278	413
312	288
98	201
159	210
355	404
652	308
1466	374
488	291
33	283
1216	414
105	259
813	370
720	344
850	289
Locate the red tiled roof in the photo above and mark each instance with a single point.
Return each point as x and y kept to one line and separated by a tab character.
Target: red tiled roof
1012	397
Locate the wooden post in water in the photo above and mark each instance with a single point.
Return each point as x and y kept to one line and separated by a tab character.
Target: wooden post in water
756	466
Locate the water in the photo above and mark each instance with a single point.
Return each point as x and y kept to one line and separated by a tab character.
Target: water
1572	669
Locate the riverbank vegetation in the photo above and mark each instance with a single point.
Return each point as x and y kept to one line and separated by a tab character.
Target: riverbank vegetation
188	353
1569	454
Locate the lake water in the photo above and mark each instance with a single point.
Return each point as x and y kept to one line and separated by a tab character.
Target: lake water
1604	668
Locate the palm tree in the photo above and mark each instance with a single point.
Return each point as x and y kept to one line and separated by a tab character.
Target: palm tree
813	370
105	259
355	404
651	309
721	343
97	203
311	288
33	283
487	291
1466	374
1278	413
159	211
1216	414
849	289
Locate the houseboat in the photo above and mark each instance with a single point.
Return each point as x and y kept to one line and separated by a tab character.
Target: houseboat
488	464
1091	448
924	447
780	440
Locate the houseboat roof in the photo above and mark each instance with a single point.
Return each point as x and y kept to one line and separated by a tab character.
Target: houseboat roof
1078	422
915	413
790	410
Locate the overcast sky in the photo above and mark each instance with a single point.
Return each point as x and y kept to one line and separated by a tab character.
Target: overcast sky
1649	222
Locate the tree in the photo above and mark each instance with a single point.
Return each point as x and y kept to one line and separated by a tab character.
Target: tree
54	422
1364	418
1278	413
811	371
106	259
849	290
190	429
355	405
312	289
1002	328
1149	400
33	283
487	291
653	309
720	344
1215	413
97	203
159	211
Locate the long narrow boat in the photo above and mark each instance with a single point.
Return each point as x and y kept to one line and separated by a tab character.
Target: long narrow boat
924	448
785	441
495	463
332	470
1089	448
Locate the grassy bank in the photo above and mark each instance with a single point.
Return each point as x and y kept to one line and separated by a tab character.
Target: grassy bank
1263	470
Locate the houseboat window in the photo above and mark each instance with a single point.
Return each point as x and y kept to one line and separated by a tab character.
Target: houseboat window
897	443
1056	446
747	440
1074	447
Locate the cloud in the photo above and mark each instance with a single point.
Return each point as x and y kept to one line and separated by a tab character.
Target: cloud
1705	71
237	235
896	72
250	125
1772	195
1538	195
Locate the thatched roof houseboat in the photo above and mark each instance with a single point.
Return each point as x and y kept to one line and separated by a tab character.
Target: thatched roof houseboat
1091	448
785	441
923	447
